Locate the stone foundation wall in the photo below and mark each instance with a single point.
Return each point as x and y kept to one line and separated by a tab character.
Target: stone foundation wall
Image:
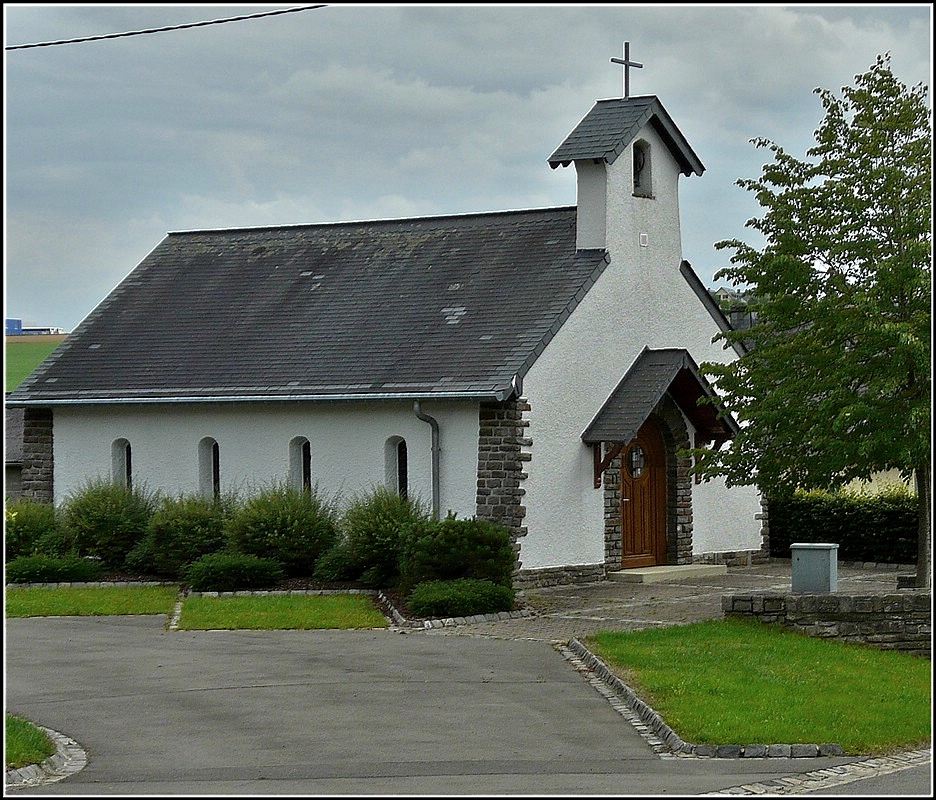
899	621
558	576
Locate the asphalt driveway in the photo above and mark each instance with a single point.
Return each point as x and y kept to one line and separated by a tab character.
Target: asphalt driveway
356	712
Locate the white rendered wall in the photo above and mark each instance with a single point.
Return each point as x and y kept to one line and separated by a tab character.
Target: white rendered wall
723	519
347	446
641	300
591	200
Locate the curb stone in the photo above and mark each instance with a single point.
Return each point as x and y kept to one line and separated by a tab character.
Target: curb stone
448	622
69	758
826	778
661	736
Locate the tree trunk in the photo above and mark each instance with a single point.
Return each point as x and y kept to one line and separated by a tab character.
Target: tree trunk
924	570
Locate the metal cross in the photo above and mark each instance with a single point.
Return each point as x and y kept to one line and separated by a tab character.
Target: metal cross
627	65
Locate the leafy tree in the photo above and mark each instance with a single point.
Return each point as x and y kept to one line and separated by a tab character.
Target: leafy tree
835	381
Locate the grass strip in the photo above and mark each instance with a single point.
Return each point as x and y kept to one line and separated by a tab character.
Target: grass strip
24	743
281	612
91	601
742	682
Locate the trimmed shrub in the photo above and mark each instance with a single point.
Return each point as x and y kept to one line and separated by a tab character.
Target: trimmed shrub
460	598
50	569
27	522
286	524
229	572
181	530
56	542
454	548
337	564
373	527
880	527
106	520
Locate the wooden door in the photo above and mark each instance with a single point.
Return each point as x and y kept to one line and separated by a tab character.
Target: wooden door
643	499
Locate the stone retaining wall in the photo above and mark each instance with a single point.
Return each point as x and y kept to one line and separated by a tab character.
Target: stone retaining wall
898	621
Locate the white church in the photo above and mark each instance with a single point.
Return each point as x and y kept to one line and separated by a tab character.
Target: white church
538	368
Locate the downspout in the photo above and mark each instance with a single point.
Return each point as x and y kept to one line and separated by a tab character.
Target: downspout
417	410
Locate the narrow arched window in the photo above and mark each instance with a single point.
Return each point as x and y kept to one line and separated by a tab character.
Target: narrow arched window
300	464
643	186
121	463
396	468
209	468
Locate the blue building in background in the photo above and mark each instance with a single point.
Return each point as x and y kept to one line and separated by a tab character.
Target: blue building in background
15	327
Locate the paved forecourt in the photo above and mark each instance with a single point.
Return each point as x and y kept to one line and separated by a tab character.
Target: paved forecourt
496	708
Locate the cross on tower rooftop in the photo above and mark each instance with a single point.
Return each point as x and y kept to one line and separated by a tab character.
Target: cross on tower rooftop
627	63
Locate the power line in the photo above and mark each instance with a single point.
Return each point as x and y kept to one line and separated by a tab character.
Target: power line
169	28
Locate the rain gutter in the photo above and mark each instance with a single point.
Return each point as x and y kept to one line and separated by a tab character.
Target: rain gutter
499	395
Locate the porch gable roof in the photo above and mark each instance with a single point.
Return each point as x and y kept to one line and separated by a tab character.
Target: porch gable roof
653	374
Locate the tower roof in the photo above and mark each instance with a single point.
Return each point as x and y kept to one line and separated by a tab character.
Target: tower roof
611	125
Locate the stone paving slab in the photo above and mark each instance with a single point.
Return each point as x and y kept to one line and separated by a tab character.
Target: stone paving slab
561	613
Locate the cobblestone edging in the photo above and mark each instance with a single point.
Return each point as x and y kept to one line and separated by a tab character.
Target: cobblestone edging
658	734
69	758
447	622
829	777
93	584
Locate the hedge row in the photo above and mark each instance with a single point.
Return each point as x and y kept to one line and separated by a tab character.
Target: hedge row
379	540
880	527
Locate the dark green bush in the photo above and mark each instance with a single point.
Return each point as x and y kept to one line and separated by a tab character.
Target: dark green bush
881	527
56	542
181	530
460	598
337	564
230	572
106	520
457	548
373	525
286	524
27	522
50	569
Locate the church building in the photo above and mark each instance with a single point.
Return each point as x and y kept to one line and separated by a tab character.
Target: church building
538	368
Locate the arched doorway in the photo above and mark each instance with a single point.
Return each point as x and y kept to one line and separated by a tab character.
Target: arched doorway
643	499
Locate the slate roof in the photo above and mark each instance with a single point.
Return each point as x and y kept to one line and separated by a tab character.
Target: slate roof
611	125
652	374
443	306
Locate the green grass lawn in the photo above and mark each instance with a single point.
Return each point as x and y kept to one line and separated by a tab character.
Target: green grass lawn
24	743
77	601
252	612
22	357
281	612
741	682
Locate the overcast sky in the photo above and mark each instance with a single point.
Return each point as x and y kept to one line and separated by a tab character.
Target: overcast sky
352	112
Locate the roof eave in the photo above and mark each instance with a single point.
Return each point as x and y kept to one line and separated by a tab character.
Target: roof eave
498	395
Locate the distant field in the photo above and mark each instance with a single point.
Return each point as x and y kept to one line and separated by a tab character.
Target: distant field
24	354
